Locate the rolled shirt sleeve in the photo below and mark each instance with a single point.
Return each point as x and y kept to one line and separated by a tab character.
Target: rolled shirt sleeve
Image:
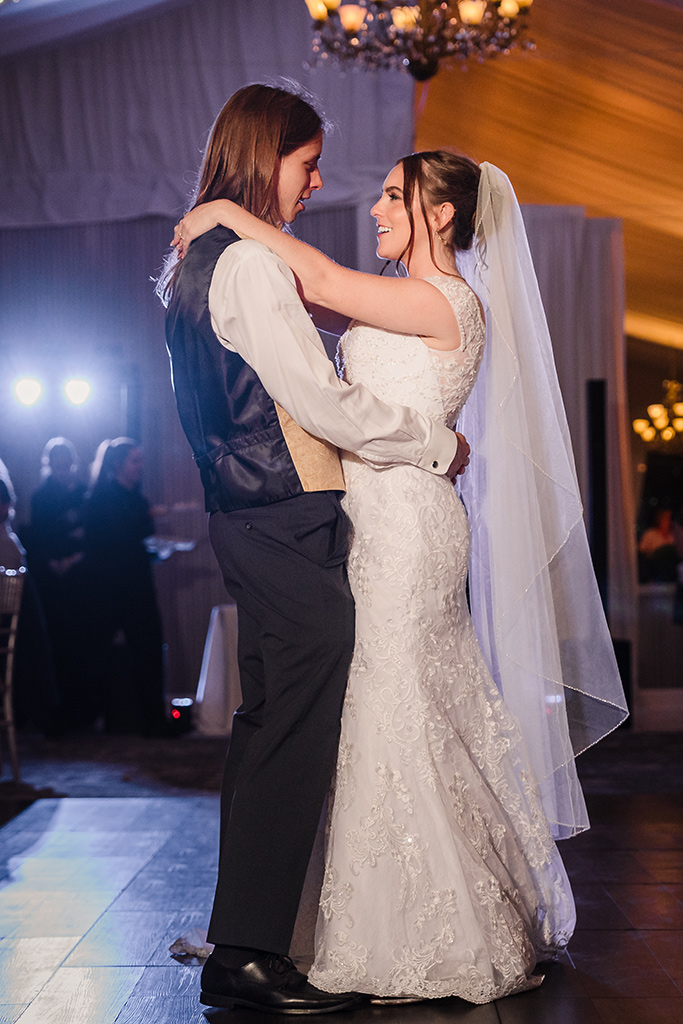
256	311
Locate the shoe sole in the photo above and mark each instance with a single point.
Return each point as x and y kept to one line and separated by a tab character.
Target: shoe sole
229	1002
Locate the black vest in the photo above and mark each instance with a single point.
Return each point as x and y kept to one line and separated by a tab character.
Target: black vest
229	419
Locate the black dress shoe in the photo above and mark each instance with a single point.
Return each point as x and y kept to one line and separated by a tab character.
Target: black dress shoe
272	984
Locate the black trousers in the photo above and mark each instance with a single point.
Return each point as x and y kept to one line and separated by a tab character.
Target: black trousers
285	567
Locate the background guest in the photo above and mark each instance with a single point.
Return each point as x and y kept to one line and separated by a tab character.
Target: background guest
55	557
124	606
657	557
36	694
57	508
677	532
12	554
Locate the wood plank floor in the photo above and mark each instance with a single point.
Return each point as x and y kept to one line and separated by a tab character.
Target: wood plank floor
94	890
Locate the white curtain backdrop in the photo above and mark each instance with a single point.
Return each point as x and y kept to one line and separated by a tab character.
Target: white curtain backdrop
113	127
579	263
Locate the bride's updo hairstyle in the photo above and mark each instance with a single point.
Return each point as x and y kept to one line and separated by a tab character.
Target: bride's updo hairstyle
442	177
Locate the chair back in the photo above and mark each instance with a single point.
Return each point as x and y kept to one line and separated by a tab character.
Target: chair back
11	588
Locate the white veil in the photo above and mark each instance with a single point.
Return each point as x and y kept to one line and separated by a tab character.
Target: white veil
534	598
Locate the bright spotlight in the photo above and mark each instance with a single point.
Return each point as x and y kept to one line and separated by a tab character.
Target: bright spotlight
77	391
28	390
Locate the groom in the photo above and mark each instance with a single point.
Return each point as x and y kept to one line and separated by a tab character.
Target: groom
264	413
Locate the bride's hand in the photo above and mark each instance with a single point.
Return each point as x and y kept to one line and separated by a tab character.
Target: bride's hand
200	220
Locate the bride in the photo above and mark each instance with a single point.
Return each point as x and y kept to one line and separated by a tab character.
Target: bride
455	772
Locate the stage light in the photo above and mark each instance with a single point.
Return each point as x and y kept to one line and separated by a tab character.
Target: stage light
77	391
28	390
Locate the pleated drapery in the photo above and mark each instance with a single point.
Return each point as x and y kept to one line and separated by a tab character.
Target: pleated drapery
113	127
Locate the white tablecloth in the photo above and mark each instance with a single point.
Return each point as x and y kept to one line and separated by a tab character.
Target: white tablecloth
218	690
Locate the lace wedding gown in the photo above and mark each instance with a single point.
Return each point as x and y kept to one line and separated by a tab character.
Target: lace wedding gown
441	875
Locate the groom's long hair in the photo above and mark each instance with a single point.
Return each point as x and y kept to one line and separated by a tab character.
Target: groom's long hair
257	127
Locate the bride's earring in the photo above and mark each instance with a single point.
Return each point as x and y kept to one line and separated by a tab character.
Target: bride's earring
444	232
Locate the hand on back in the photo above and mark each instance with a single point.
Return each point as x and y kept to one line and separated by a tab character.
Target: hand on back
461	459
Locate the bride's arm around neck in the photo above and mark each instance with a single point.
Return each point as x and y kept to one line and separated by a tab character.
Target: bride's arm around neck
405	305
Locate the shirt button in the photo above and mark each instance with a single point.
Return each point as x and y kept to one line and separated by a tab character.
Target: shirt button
435	465
247	526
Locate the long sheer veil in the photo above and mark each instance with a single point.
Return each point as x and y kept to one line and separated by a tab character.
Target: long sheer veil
534	598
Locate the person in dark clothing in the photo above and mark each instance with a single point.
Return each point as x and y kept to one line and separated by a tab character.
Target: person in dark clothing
54	544
57	506
12	555
677	530
117	521
36	695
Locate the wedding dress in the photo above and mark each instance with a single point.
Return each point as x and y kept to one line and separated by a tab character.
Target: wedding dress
441	875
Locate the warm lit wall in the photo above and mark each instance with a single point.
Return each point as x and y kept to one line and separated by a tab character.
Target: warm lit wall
593	117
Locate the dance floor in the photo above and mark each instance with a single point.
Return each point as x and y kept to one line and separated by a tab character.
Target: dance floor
93	890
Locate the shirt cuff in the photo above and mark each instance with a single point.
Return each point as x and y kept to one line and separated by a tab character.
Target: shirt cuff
440	451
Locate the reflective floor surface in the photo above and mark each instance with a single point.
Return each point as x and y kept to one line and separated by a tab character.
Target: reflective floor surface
93	889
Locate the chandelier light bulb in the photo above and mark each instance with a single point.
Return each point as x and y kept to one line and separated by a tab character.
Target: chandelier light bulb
508	8
668	434
677	424
471	11
352	17
677	408
405	18
640	426
524	4
655	411
649	434
317	9
331	5
661	421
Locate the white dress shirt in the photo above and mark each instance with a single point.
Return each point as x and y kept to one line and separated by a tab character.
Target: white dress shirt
256	311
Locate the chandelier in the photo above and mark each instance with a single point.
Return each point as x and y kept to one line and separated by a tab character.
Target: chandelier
665	419
417	38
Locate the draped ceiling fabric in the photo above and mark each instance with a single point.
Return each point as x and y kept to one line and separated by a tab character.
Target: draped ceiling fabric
112	126
593	117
